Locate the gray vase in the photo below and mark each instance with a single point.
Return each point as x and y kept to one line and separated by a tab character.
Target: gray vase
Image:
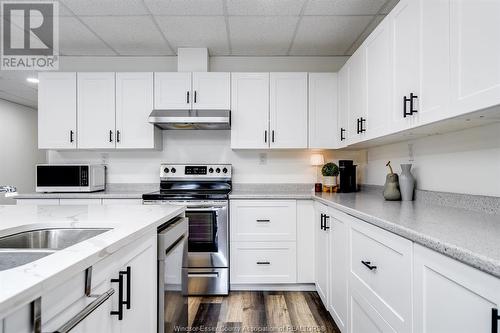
391	188
406	183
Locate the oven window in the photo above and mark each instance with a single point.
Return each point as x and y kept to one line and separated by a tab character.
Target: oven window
202	231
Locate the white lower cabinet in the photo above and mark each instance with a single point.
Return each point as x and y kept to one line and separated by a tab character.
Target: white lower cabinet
135	263
451	296
364	318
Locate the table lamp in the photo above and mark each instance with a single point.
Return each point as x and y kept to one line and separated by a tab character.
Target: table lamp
317	160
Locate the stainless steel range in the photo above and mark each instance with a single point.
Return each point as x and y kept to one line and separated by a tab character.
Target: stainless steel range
204	189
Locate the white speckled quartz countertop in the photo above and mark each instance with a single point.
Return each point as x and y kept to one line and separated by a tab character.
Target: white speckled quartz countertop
113	191
471	236
22	284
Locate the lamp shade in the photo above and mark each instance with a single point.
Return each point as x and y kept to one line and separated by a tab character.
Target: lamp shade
317	159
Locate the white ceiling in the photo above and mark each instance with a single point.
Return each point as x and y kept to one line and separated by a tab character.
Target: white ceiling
225	27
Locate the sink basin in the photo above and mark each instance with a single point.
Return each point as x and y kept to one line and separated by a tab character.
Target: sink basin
13	258
50	239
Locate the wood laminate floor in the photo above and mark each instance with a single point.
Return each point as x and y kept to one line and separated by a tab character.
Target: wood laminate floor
261	311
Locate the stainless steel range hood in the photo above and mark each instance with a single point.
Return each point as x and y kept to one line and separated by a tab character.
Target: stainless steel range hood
191	119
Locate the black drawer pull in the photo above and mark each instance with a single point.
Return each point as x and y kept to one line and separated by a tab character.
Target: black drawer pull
326	227
110	136
187	97
494	320
263	263
71	136
322	221
369	265
264	220
342	137
128	273
119	313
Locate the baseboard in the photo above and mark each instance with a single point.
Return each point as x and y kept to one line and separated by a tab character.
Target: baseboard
274	287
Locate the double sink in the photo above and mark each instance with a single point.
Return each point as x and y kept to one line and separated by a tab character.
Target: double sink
24	247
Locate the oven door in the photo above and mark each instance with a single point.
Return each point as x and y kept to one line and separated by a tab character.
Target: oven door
208	234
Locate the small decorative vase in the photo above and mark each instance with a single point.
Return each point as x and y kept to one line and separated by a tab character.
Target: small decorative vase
391	187
406	183
329	181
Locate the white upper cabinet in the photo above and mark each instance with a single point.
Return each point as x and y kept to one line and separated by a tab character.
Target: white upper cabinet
172	91
134	102
421	62
96	110
288	110
475	54
357	95
57	111
378	53
323	110
249	110
343	117
211	91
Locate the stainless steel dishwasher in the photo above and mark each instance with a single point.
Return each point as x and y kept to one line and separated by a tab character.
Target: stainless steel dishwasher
173	276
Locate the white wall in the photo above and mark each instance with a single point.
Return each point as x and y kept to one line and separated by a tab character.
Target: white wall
18	148
466	161
282	166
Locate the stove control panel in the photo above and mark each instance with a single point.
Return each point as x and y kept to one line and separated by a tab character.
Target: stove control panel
208	171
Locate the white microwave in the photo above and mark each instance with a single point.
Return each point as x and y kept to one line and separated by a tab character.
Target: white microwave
70	177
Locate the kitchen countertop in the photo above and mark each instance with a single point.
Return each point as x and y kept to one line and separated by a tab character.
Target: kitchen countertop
22	284
468	235
113	191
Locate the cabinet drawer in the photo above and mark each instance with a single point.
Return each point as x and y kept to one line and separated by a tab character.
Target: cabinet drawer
271	220
263	262
381	268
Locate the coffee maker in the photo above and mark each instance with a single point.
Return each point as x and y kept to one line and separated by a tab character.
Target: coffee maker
347	176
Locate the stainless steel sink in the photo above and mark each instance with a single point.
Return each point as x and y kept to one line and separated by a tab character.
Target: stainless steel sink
50	239
13	258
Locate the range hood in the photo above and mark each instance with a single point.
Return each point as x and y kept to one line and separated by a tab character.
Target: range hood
191	119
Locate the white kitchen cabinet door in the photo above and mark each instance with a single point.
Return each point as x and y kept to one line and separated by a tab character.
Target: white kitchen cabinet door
421	62
57	111
249	110
323	110
322	239
339	270
172	91
378	53
364	318
356	67
96	110
211	91
134	103
475	54
343	119
450	296
141	315
288	110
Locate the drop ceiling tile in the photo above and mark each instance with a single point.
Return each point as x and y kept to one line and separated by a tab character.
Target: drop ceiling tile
344	7
365	34
196	31
264	7
76	39
269	35
185	7
106	7
328	35
129	35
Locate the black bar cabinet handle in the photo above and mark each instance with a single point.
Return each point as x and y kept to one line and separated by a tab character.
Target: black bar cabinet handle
195	96
412	97
357	126
326	224
265	136
110	136
361	128
272	136
128	273
119	313
369	265
117	136
322	221
494	320
263	263
71	136
405	113
187	97
342	130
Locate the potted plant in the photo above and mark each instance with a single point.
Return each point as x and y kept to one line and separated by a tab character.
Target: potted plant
330	171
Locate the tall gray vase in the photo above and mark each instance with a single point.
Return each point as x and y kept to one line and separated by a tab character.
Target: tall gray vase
406	183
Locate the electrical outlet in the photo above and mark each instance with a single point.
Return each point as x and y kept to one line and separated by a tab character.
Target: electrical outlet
104	158
410	152
263	158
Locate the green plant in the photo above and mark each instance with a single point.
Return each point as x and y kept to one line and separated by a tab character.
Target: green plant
330	170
